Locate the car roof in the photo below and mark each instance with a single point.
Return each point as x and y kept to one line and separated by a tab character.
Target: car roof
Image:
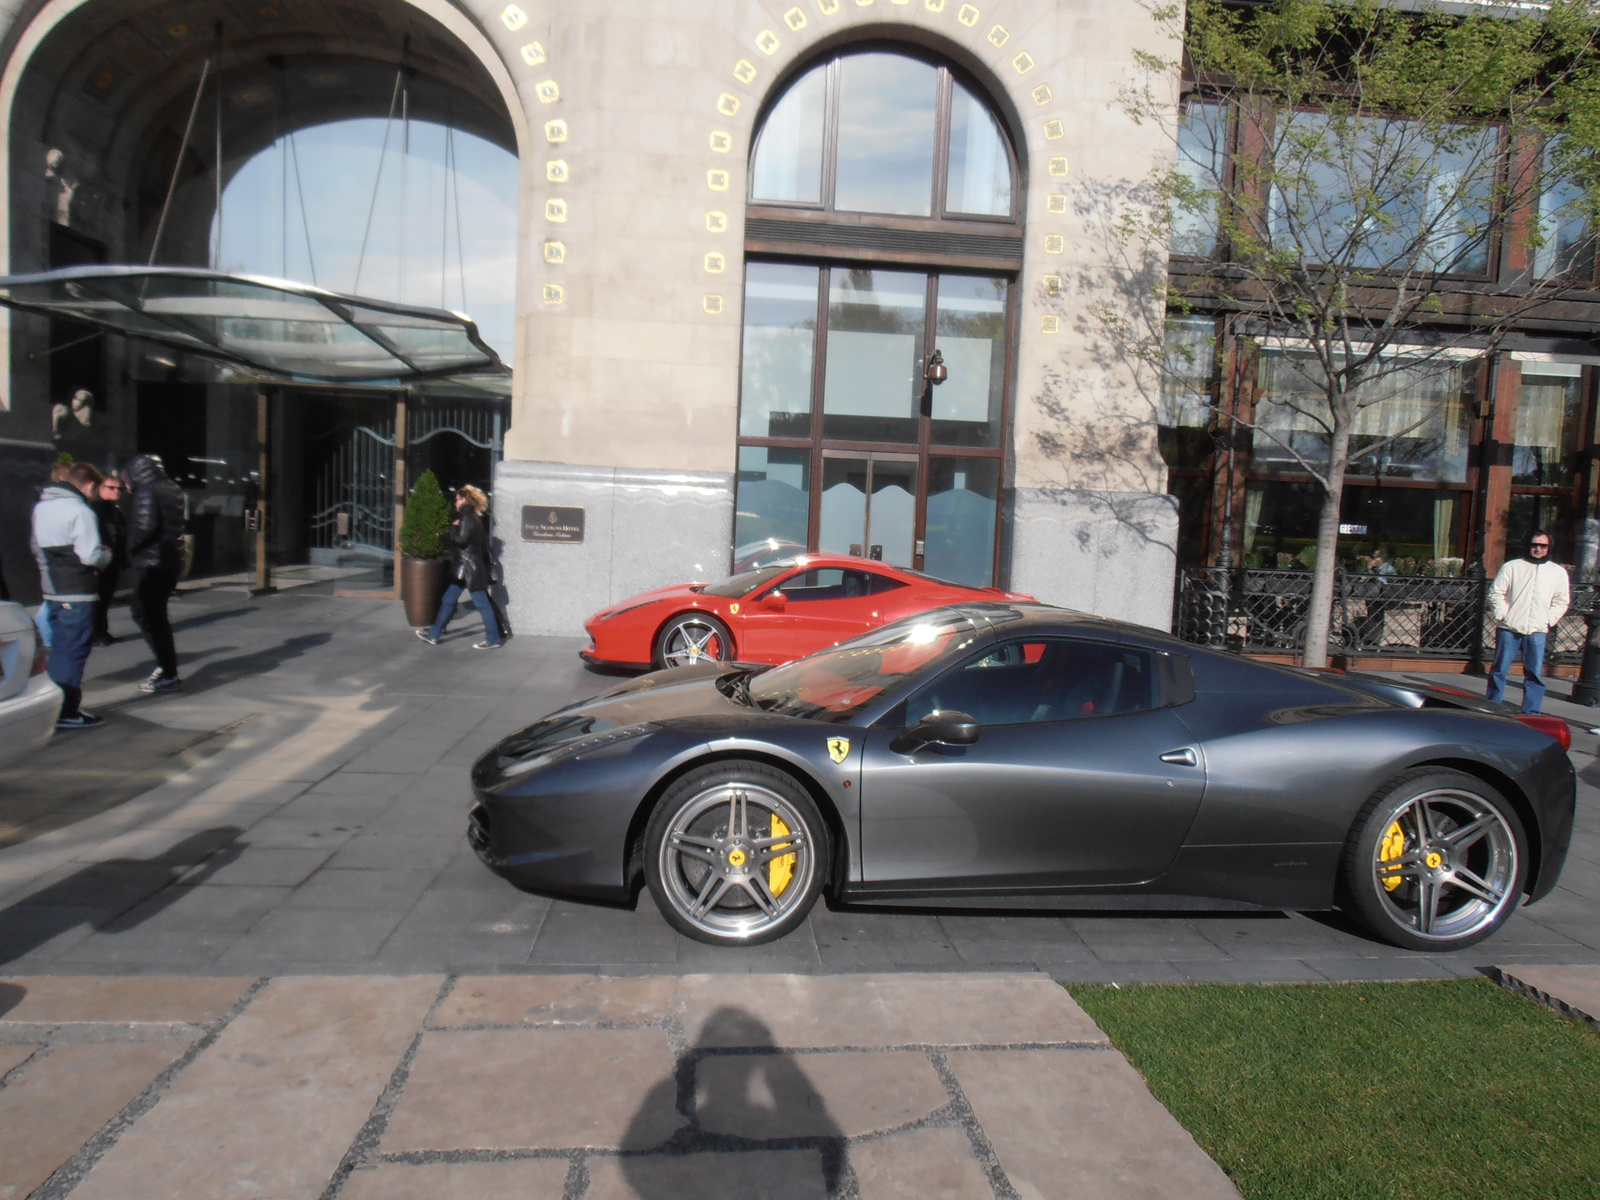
877	566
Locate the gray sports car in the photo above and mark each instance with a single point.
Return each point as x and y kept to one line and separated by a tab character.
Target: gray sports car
1008	755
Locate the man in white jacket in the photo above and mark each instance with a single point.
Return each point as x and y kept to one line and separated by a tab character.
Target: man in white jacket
1526	599
66	545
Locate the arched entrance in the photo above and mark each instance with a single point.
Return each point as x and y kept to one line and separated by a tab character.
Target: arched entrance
883	237
128	120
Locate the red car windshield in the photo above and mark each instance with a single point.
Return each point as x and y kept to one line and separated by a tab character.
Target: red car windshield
832	685
742	585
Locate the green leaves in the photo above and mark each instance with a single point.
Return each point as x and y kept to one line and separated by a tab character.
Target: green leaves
427	516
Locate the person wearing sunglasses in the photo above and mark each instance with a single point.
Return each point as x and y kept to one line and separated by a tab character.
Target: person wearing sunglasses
1528	596
107	505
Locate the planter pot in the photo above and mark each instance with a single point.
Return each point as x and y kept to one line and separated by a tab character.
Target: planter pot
422	583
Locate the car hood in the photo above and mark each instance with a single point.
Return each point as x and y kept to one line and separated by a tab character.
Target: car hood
677	591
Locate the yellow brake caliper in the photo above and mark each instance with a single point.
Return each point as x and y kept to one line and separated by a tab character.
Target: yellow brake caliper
1391	848
781	870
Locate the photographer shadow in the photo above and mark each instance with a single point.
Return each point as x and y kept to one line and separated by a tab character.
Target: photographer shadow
756	1125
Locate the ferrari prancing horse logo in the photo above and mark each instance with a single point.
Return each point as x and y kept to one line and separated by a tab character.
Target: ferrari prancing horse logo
838	749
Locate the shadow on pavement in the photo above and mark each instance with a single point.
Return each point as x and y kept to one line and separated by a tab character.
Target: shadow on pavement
206	618
142	668
224	671
755	1124
102	894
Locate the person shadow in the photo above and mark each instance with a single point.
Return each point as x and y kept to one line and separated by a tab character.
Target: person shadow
755	1125
498	596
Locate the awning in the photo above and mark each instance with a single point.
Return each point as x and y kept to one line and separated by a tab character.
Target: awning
271	326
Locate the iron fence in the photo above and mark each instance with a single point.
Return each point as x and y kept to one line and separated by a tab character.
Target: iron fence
1396	616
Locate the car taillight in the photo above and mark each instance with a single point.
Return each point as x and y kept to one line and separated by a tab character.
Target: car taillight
41	656
1554	726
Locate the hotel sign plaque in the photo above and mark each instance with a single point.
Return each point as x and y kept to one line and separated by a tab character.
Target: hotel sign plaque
551	523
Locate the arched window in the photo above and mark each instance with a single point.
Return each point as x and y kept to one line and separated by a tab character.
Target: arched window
881	227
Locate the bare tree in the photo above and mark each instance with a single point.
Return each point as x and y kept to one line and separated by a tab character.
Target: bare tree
1354	180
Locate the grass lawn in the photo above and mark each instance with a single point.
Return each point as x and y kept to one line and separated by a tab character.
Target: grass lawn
1385	1090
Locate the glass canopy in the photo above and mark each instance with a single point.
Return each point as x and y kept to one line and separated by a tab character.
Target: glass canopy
271	326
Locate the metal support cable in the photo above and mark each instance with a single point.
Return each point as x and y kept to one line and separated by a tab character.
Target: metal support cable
216	260
177	166
383	153
305	221
455	183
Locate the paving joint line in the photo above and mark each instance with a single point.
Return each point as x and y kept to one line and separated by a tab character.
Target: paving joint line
67	1033
363	1148
71	1173
982	1148
1542	998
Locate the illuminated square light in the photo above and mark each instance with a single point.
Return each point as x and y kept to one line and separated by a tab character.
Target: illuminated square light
1054	243
728	105
767	42
1054	129
548	91
555	209
999	36
711	302
933	5
721	142
1051	285
863	3
555	170
533	54
1050	324
1042	94
795	19
1056	204
513	18
827	7
555	252
716	264
744	70
554	293
1058	165
968	15
1023	63
555	131
717	179
716	222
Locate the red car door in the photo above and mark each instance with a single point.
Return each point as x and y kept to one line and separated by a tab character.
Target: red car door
821	606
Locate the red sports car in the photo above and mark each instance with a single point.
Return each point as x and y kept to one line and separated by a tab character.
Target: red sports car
773	614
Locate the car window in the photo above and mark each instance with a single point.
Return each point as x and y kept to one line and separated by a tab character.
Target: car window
738	585
835	583
1043	679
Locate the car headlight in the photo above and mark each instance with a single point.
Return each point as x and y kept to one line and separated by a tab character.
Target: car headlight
579	745
629	609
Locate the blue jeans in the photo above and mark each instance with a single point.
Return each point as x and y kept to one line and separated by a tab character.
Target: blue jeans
1507	644
447	609
71	629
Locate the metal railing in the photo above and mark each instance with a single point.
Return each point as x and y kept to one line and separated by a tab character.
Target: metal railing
1398	616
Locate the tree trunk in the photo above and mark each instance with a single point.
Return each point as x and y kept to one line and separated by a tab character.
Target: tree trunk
1319	612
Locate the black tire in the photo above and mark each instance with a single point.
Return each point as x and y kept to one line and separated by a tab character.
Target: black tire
692	637
708	871
1437	860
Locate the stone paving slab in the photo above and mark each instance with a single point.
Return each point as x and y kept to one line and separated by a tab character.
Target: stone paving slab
1573	990
577	1088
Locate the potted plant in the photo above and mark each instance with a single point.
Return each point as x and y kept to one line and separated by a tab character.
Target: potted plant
422	565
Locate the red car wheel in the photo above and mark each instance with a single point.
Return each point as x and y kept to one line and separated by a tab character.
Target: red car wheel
691	638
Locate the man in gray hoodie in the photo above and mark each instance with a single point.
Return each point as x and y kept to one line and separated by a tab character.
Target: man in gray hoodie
66	545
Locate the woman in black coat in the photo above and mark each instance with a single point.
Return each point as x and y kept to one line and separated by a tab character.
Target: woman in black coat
469	569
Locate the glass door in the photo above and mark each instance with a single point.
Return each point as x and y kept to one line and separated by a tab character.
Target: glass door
869	506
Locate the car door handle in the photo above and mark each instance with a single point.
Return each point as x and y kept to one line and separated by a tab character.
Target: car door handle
1181	758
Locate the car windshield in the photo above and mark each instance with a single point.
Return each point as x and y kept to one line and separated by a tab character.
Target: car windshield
740	585
832	685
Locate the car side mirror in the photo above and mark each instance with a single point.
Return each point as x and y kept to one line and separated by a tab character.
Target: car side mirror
946	727
776	601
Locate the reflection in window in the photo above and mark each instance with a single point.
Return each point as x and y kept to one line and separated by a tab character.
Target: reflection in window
887	114
1552	513
1547	424
788	157
780	335
873	376
1563	228
1433	212
1184	418
1418	427
1414	528
1202	151
970	333
869	508
1048	679
963	496
773	504
980	168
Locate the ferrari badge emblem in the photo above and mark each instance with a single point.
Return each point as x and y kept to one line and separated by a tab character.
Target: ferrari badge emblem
733	608
838	749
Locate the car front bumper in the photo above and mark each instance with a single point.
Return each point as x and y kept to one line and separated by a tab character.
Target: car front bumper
28	719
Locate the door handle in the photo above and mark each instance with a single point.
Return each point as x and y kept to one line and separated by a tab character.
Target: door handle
1181	758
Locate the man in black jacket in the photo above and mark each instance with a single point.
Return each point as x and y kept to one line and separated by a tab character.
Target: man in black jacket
155	553
107	505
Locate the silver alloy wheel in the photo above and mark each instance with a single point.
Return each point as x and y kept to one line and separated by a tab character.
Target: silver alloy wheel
1456	866
691	641
716	861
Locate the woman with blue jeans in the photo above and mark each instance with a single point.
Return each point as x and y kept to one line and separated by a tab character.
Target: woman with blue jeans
469	552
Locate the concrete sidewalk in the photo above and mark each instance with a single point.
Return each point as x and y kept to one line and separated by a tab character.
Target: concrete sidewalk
576	1088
